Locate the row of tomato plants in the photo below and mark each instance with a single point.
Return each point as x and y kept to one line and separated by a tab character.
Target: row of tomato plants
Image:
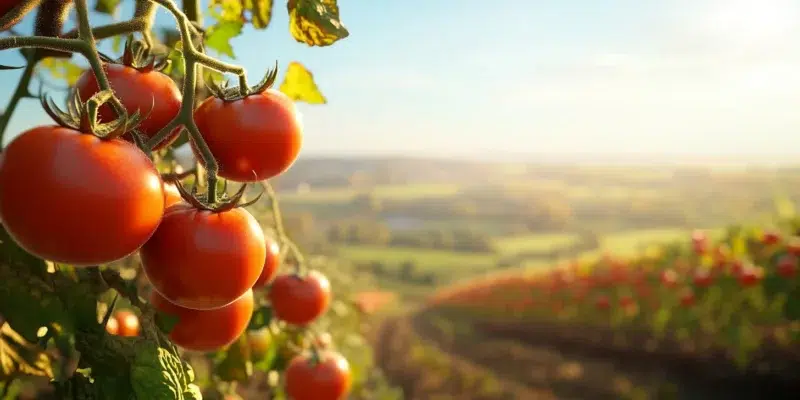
739	293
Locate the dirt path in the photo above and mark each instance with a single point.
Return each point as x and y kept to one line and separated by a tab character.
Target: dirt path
533	367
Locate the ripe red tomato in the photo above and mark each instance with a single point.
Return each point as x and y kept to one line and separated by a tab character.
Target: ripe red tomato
171	195
299	300
112	327
73	198
687	298
771	237
703	278
626	301
793	246
207	330
202	259
750	276
270	264
787	266
145	92
254	138
128	323
602	302
699	242
327	379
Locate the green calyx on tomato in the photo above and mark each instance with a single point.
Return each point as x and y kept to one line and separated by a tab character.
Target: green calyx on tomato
140	86
226	203
82	116
269	132
201	259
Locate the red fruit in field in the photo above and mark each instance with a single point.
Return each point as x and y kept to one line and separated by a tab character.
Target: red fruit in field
787	266
736	267
750	276
699	242
669	278
602	303
626	301
793	246
771	237
687	298
703	278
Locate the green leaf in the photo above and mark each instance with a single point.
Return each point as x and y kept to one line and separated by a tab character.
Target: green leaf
261	318
299	85
27	301
220	35
157	374
61	69
116	43
235	364
315	22
109	7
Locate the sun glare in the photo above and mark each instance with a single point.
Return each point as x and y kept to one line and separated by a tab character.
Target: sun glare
747	22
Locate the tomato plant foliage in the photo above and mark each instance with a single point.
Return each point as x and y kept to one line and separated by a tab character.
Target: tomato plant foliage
123	269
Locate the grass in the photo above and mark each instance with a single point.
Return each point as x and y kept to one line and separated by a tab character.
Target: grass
510	245
386	192
629	243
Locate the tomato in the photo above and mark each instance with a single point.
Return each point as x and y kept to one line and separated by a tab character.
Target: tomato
750	276
207	330
793	246
770	238
602	303
787	266
112	327
73	198
687	298
5	7
299	300
270	264
325	379
259	342
703	278
171	195
254	138
203	259
128	323
147	92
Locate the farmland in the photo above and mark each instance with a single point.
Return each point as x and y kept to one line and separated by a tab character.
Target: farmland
432	229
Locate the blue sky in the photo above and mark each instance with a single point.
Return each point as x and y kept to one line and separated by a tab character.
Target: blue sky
464	78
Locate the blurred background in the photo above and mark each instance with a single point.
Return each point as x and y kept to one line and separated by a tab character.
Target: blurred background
547	199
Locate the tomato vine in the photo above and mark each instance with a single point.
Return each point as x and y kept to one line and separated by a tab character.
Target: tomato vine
128	355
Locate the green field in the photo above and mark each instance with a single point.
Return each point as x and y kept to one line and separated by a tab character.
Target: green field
532	243
425	260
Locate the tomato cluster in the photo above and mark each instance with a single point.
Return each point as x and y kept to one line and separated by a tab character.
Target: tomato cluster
73	197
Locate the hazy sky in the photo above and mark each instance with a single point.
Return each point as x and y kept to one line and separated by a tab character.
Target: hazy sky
459	77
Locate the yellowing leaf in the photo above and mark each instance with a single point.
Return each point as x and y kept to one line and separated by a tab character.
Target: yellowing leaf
260	12
299	85
315	22
257	12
